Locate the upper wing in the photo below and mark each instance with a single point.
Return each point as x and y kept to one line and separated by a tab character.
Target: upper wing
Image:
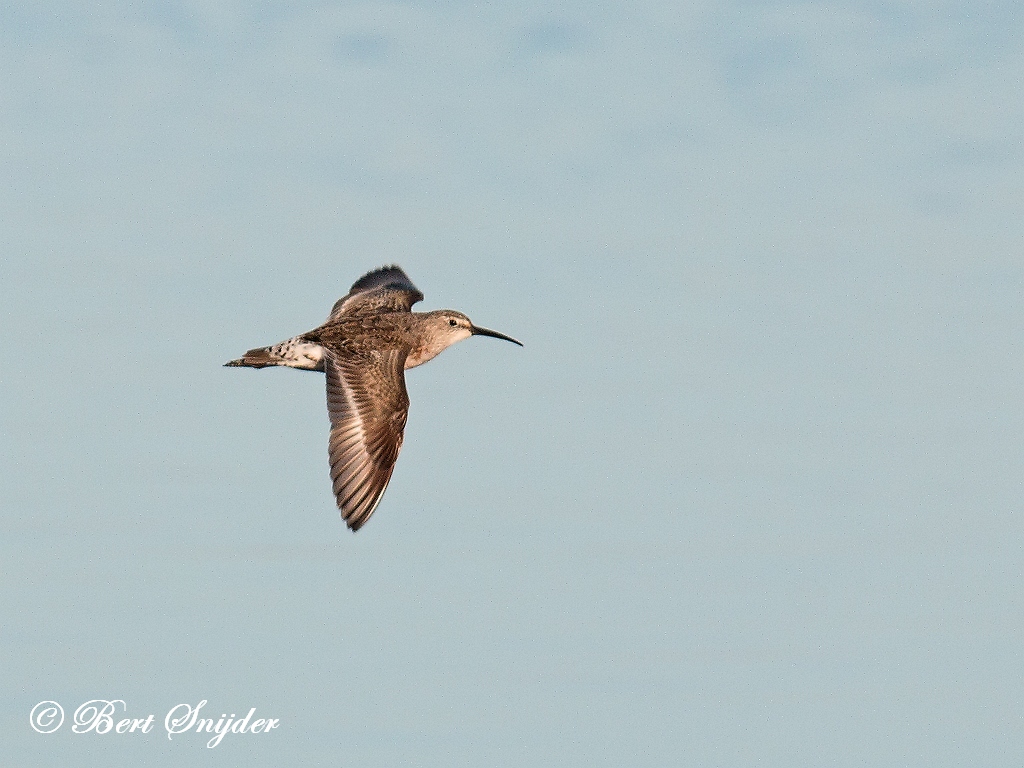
368	405
385	288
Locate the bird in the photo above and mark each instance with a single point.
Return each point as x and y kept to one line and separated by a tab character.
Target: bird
368	341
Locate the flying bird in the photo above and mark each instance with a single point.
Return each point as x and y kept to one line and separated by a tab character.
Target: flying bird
369	340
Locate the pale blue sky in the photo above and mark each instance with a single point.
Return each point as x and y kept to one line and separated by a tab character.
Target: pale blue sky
749	495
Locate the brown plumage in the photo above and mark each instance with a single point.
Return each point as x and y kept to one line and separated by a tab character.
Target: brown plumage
370	338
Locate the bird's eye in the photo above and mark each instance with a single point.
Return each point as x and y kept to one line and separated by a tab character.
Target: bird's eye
453	322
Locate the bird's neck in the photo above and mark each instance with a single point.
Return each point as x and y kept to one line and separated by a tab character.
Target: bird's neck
425	346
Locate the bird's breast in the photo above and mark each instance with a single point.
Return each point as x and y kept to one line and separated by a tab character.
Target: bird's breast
418	356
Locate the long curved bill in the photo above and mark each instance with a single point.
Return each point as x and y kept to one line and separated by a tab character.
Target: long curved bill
478	331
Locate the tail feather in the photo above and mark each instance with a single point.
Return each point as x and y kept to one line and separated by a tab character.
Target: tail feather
256	358
294	353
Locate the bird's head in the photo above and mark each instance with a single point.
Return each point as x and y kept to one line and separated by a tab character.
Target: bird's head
454	326
444	328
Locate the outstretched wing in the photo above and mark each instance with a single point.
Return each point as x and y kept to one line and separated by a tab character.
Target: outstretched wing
387	288
368	405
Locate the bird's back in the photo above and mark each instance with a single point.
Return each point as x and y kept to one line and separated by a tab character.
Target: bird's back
366	333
